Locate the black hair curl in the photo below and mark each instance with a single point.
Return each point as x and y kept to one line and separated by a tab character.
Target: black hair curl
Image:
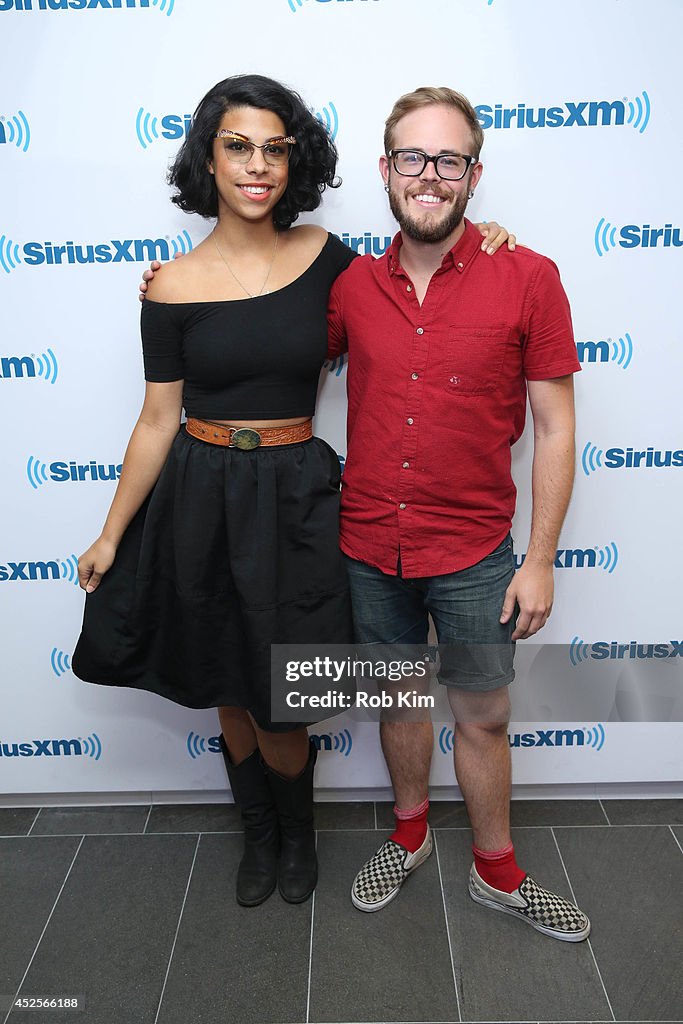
312	163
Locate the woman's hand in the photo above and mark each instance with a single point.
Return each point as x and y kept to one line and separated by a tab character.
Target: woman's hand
149	275
94	563
494	236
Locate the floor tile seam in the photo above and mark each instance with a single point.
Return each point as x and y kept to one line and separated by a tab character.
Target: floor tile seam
602	808
149	815
310	953
675	838
588	941
177	930
374	804
448	930
34	821
66	835
45	926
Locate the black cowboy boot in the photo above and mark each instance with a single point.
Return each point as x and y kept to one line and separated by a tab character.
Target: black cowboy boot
257	872
297	867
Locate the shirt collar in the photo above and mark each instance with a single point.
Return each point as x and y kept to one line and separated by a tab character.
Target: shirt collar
459	257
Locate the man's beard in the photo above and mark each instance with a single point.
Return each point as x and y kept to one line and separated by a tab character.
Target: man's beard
423	230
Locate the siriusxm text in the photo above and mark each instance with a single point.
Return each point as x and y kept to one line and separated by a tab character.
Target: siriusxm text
569	558
71	5
24	571
127	250
571	114
61	472
548	738
614	651
631	458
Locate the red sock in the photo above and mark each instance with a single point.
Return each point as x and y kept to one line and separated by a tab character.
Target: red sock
411	826
499	868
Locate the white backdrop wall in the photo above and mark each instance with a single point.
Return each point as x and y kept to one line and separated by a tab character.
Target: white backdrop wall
94	98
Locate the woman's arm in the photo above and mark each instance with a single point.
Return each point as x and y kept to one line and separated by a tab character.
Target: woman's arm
146	453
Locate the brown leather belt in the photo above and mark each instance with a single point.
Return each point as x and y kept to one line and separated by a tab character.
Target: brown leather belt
246	438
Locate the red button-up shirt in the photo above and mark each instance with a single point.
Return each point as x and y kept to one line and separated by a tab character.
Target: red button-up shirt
437	396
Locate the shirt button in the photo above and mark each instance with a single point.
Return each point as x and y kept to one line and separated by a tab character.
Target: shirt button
409	287
409	421
415	376
402	505
406	465
460	266
454	380
419	331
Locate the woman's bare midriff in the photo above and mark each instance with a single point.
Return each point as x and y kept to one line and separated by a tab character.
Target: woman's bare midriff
257	424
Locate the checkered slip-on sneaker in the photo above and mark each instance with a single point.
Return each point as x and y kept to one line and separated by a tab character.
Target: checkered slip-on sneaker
379	881
543	910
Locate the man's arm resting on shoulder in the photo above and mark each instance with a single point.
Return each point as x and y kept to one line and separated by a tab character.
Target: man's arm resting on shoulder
552	407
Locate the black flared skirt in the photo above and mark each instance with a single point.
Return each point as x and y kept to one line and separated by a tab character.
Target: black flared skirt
233	551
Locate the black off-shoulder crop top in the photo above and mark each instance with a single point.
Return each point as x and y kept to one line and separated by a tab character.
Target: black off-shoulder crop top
254	358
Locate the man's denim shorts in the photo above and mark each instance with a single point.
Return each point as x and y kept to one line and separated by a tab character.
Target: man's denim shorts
476	651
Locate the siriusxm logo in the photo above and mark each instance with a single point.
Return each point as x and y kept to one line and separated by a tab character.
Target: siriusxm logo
165	6
60	662
39	473
128	250
294	5
15	131
593	458
149	128
605	558
19	367
585	737
612	650
634	236
366	244
339	742
570	114
329	118
607	351
197	745
54	569
91	746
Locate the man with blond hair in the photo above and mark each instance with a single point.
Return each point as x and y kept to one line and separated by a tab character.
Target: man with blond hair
444	347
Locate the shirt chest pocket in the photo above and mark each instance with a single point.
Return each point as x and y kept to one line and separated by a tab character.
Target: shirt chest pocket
475	358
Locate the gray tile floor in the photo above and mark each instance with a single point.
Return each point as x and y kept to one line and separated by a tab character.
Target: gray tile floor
132	908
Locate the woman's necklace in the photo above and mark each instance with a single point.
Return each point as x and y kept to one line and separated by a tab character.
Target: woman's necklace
270	267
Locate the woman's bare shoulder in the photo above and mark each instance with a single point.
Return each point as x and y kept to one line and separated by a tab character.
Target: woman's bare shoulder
176	281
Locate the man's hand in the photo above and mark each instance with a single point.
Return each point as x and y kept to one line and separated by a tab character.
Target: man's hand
494	236
532	589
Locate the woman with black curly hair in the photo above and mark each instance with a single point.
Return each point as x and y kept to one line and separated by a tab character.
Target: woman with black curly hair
222	538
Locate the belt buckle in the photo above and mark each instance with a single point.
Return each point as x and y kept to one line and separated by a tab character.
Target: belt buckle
246	439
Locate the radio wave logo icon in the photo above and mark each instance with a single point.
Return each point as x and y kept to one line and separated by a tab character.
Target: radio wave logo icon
608	557
591	458
146	128
605	237
294	5
47	366
335	365
196	745
639	112
579	651
92	746
165	6
329	118
446	740
622	351
182	243
36	472
595	736
9	254
69	569
16	131
340	742
61	662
